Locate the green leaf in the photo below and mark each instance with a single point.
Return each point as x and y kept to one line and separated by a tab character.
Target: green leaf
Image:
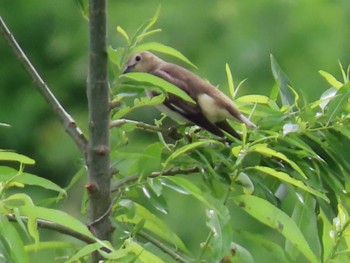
11	156
143	30
8	173
275	218
11	245
231	85
143	254
263	149
153	224
138	103
158	47
115	55
261	99
158	82
286	178
274	249
238	254
48	245
56	216
338	104
286	95
150	159
189	147
331	79
222	233
199	194
85	251
305	216
344	74
123	33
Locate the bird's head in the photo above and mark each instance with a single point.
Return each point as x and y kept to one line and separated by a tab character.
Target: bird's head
142	62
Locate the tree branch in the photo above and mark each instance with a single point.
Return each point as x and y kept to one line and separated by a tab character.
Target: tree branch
68	122
140	125
97	158
58	228
170	172
162	247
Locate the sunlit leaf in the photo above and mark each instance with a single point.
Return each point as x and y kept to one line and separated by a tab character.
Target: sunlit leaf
254	99
123	33
189	147
263	149
331	79
275	218
48	245
158	47
56	216
12	156
158	82
138	103
286	178
84	251
8	173
142	254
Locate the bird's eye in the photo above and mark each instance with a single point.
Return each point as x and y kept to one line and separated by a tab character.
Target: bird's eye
138	58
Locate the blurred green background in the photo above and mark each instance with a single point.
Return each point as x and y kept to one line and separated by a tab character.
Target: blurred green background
304	36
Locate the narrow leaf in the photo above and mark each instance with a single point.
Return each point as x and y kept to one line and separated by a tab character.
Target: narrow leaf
11	156
158	82
287	97
275	218
56	216
153	224
8	173
261	99
11	244
231	85
331	79
286	178
189	147
158	47
263	149
122	32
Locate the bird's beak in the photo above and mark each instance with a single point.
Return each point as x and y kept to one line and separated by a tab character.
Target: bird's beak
128	69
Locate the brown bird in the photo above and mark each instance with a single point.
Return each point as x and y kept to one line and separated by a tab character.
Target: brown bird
212	108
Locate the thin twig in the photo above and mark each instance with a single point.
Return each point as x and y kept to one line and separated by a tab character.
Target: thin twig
68	122
162	247
140	125
170	172
58	228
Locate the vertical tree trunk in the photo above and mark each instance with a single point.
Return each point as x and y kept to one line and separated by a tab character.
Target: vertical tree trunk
97	158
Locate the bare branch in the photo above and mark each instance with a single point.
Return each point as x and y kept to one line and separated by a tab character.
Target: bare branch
170	172
68	122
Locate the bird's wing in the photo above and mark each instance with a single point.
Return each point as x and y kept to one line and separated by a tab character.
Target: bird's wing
189	111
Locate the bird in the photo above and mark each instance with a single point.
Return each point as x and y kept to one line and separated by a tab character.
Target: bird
212	108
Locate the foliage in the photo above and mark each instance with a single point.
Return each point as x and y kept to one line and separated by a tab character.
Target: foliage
290	174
